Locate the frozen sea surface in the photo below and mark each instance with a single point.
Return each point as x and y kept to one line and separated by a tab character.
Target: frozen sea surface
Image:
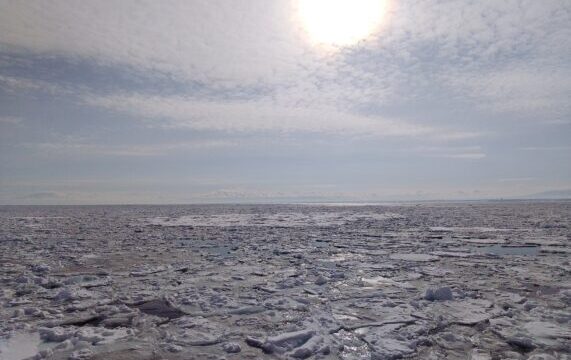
478	280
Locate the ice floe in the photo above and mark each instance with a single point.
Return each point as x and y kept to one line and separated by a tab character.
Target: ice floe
286	282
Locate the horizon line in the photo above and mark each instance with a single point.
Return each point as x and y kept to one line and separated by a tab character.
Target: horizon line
341	203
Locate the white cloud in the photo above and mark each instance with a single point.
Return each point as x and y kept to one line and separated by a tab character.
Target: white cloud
232	44
451	152
16	84
474	156
546	148
438	71
79	147
543	92
516	179
10	120
263	115
193	39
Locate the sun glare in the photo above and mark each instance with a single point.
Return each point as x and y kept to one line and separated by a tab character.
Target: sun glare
341	22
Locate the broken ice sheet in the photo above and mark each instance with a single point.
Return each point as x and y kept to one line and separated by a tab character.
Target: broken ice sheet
414	257
281	219
279	281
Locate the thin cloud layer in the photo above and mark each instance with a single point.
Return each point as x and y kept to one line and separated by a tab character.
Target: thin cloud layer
261	116
468	82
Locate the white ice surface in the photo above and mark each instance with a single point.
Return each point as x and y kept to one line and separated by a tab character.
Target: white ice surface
292	219
19	346
414	257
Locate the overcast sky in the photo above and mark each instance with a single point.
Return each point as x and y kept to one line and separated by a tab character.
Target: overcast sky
210	100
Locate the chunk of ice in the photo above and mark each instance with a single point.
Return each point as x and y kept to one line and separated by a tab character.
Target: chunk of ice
439	294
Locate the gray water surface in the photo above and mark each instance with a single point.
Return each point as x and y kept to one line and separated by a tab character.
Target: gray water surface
503	250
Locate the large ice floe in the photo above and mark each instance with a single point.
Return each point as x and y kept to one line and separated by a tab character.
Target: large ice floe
482	280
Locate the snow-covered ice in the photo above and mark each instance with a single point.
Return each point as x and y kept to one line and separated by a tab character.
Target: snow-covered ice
485	280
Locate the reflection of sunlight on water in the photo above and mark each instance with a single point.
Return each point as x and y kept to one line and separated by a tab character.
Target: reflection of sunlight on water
341	22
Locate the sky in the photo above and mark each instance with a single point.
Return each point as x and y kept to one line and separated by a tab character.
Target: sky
112	102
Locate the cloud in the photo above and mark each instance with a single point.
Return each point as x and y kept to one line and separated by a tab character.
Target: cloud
451	152
474	156
189	39
223	114
79	147
528	90
507	56
263	115
10	120
546	148
14	84
142	79
46	195
516	179
502	57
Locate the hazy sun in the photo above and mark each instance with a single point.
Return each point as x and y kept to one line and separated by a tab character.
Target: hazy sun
341	22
